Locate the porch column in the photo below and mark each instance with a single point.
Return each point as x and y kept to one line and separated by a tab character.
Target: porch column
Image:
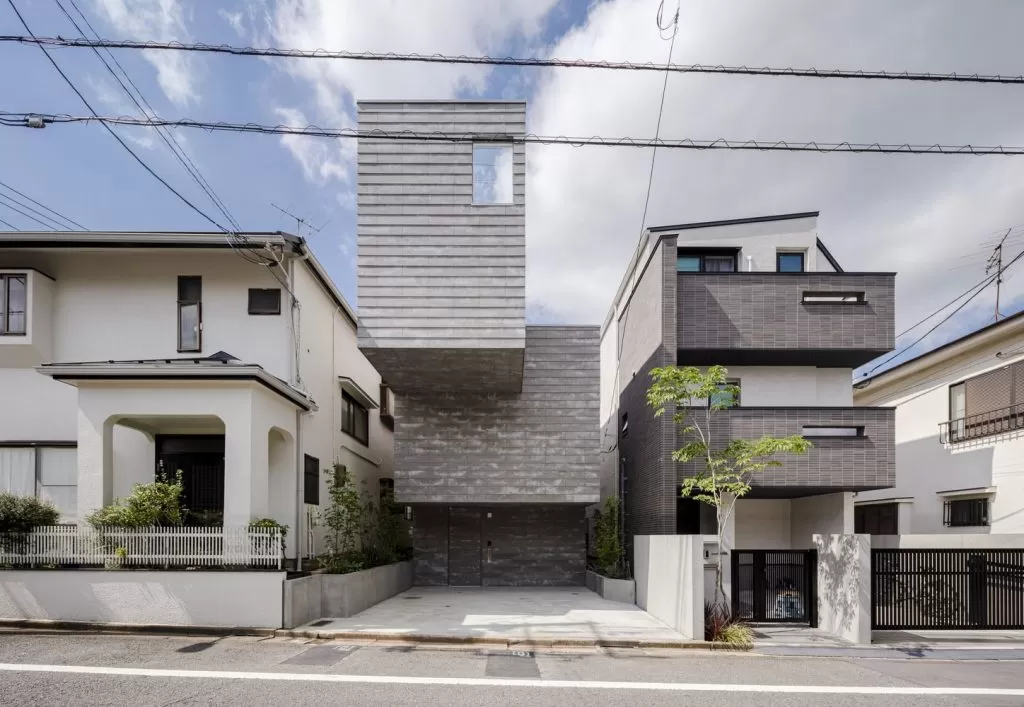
95	463
238	464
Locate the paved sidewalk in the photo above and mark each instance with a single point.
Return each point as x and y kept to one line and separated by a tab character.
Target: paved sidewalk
497	614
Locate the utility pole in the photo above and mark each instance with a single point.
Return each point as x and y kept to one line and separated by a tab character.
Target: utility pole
995	262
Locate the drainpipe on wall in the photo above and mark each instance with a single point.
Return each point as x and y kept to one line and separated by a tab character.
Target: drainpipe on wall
299	490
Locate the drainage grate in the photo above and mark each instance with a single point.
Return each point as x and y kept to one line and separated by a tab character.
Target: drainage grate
321	622
321	655
196	647
514	664
412	597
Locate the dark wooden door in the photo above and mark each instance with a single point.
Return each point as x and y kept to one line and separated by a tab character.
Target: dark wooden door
465	535
200	459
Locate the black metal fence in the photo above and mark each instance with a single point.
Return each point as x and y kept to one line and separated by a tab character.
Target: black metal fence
777	586
947	589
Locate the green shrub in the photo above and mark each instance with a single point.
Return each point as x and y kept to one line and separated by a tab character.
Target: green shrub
153	504
608	541
271	523
20	514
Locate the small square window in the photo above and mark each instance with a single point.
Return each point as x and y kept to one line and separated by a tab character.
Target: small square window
492	174
969	512
264	301
789	262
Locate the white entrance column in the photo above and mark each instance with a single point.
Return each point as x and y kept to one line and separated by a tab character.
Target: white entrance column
95	461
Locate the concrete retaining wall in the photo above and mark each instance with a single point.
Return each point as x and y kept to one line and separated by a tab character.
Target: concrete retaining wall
342	595
669	572
623	590
844	586
234	599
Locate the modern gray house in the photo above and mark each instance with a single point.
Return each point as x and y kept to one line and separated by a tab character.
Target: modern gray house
765	298
496	423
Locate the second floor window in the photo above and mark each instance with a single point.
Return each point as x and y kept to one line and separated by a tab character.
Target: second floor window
705	261
355	419
789	262
190	314
728	395
13	300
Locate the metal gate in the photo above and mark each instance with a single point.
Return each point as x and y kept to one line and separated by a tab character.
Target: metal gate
775	585
947	589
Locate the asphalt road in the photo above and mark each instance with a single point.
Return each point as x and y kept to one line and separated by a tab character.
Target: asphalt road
81	669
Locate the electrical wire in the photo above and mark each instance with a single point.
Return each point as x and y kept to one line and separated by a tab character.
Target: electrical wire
9	225
166	135
980	288
742	70
74	224
48	226
48	222
15	119
117	137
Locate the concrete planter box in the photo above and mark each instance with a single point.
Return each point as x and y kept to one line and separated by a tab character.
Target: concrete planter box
339	596
623	590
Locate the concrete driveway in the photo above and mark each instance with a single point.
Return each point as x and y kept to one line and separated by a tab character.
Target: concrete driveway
570	615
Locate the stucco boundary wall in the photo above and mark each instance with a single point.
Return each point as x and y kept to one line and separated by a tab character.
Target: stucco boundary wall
623	590
943	541
339	596
242	600
669	572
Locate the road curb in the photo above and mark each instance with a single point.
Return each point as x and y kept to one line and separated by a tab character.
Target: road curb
509	643
40	626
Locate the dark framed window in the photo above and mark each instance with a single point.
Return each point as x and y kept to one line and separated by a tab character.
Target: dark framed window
789	262
190	314
355	419
877	519
387	490
264	301
311	480
833	298
706	260
726	395
13	304
965	513
829	431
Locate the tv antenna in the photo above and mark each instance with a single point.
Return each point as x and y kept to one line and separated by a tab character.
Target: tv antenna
300	222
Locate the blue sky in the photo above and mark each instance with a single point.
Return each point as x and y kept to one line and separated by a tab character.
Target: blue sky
929	219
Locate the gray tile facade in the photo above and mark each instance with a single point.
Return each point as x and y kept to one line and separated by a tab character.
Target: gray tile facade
765	311
537	446
530	545
436	270
849	464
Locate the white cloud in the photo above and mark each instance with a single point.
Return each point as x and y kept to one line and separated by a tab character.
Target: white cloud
320	160
914	215
163	21
234	19
446	26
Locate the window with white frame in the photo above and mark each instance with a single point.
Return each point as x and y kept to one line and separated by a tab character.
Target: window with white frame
50	473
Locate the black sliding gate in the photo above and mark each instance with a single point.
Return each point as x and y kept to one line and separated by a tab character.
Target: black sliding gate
947	589
775	585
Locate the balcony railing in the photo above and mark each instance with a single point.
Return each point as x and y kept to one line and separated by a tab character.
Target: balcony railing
985	424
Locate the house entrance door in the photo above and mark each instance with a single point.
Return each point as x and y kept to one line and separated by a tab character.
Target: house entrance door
201	461
465	546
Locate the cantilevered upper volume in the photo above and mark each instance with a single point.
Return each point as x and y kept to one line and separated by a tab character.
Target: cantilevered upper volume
442	245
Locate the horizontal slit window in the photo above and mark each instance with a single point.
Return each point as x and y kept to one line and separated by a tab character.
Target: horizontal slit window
821	431
833	298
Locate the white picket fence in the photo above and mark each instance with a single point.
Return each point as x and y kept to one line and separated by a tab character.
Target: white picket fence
182	547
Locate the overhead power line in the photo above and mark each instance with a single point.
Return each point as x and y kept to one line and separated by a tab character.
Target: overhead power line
393	57
74	224
20	208
12	119
113	134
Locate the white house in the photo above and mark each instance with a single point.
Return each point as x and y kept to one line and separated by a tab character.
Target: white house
959	437
232	360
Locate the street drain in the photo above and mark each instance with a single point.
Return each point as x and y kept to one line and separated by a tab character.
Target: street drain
321	622
412	597
195	647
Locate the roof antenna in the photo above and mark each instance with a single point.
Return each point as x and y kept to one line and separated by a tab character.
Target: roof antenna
299	222
995	262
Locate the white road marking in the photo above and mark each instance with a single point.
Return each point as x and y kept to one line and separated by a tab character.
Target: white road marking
512	682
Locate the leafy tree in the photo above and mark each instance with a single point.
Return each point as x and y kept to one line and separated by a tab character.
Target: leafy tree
345	519
153	504
723	468
608	540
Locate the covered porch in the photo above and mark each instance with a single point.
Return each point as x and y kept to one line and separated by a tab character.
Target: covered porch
231	429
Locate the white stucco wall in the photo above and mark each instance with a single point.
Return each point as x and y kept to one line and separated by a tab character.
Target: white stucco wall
790	524
669	572
844	586
924	466
761	241
793	386
233	599
828	514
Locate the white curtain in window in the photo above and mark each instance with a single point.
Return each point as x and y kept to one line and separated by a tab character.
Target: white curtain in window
18	470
